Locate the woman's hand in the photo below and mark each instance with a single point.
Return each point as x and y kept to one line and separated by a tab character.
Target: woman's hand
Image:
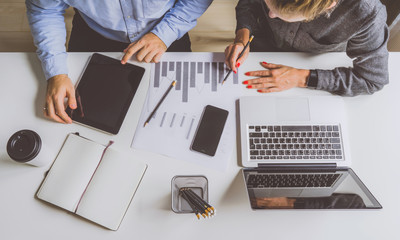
232	51
277	78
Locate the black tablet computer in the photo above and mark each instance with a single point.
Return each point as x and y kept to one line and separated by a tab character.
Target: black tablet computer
105	92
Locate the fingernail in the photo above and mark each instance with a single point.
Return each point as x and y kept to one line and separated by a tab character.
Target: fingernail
247	74
245	82
235	72
265	63
259	91
238	65
73	105
249	86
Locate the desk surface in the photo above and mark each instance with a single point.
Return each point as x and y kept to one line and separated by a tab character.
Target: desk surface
374	141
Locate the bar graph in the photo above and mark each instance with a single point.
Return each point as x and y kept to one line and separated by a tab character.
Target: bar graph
189	74
198	79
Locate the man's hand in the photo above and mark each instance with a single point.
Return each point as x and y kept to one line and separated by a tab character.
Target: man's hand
233	50
58	88
277	78
149	48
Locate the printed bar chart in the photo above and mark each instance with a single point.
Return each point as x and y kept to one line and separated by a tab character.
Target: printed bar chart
187	74
198	79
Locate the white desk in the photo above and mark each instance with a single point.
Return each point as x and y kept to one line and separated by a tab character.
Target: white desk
375	149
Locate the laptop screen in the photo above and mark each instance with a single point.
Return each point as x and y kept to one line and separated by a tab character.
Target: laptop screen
337	189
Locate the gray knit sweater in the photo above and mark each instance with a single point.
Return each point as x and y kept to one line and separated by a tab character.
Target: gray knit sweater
355	26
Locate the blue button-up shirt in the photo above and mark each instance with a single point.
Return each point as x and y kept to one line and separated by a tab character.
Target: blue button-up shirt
120	20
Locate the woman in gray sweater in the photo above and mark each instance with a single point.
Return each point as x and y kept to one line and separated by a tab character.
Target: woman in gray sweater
355	26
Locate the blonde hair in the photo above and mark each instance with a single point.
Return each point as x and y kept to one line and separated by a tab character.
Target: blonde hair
310	9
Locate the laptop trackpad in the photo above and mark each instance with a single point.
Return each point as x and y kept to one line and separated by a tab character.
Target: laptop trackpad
276	192
292	109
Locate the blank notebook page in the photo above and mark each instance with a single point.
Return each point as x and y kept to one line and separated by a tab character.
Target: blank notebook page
71	172
110	192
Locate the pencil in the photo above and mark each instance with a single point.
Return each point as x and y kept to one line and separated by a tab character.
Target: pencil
198	200
240	55
208	206
204	204
159	103
192	206
199	206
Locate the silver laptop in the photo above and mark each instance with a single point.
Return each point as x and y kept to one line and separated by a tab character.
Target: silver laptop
296	155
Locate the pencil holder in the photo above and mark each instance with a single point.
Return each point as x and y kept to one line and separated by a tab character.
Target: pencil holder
198	184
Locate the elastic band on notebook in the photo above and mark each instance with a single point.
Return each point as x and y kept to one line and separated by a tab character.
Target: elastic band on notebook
101	158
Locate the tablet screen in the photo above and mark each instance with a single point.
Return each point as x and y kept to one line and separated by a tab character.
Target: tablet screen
105	93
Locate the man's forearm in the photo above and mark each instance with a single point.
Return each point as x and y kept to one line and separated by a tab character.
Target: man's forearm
49	35
180	19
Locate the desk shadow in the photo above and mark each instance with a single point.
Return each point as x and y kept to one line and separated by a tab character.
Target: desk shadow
6	160
235	195
36	67
166	203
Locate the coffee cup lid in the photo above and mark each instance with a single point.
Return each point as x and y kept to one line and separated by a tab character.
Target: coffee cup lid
24	145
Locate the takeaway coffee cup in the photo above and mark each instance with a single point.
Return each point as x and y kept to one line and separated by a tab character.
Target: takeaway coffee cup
25	146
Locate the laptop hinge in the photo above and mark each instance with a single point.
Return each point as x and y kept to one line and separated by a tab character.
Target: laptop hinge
297	166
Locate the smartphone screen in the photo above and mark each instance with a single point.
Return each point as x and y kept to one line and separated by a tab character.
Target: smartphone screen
209	130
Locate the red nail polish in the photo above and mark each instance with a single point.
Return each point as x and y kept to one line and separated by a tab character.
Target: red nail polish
247	74
245	82
249	86
238	65
259	91
265	63
235	72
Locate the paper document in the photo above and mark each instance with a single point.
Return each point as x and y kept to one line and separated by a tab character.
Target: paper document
171	130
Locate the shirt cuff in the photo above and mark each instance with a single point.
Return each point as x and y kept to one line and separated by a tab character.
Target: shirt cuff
241	25
55	65
165	33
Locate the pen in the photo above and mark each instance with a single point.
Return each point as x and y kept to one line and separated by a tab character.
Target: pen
240	55
159	103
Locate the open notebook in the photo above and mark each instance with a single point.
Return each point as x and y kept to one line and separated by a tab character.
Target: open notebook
93	181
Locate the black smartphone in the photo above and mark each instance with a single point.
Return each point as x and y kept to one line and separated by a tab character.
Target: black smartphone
209	130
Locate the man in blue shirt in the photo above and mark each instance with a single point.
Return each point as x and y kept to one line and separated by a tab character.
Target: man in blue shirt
146	28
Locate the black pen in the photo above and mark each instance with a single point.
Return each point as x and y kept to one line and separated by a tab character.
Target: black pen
159	103
240	55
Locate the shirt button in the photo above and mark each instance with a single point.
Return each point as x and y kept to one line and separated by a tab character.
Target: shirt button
128	16
291	33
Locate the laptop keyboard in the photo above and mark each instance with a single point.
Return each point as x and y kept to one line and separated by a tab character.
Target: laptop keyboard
291	180
295	142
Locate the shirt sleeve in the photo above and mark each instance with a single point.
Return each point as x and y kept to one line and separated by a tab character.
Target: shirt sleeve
180	19
245	15
368	49
47	25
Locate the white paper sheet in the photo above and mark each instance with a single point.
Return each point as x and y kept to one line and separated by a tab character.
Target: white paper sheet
170	132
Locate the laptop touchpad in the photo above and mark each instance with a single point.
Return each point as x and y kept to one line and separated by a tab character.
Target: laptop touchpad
292	109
